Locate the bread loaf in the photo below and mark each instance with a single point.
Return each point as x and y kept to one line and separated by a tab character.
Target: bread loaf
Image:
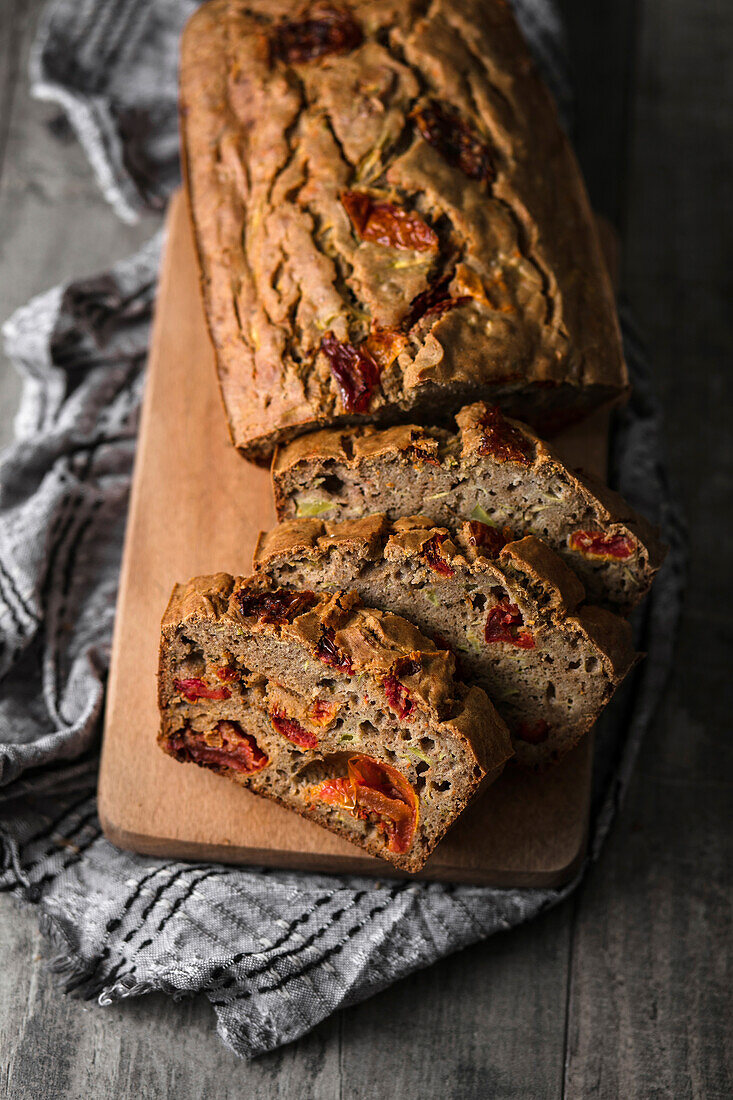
510	611
493	469
347	715
389	219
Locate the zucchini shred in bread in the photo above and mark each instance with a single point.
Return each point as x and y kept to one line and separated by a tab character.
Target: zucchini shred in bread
389	220
510	611
493	469
347	715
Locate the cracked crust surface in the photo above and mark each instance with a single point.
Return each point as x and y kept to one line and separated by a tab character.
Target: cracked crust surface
472	473
272	145
549	676
251	675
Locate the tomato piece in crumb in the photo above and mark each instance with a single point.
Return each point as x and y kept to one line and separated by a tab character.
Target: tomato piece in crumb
490	540
355	370
503	623
278	606
331	655
374	788
226	673
193	689
321	713
225	746
398	697
502	440
381	789
292	730
388	224
335	792
433	556
596	544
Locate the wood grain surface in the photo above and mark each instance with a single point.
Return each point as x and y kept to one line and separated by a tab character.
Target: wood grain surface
197	507
624	991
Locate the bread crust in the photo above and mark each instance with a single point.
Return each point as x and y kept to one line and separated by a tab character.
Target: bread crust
270	148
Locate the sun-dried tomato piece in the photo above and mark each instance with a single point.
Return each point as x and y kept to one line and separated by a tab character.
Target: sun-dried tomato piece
408	666
595	544
355	370
533	733
381	789
398	697
432	302
433	556
331	655
292	730
490	540
322	29
443	127
503	623
225	746
502	440
377	790
279	606
321	713
335	792
226	673
388	224
384	345
194	689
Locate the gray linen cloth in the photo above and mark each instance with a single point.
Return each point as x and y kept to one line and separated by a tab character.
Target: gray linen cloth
275	952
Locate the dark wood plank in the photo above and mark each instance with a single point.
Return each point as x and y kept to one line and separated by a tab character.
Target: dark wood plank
487	1022
601	42
651	969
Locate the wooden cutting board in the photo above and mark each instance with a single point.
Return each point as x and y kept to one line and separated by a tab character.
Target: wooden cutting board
197	507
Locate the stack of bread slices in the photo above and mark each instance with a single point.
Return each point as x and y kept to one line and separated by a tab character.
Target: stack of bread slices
397	259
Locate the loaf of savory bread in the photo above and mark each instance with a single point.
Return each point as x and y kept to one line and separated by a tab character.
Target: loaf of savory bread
512	612
493	469
389	219
347	715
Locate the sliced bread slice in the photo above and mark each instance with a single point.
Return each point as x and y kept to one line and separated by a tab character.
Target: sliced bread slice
347	715
493	469
509	610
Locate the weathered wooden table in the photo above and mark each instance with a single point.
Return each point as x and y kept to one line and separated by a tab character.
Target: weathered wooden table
624	991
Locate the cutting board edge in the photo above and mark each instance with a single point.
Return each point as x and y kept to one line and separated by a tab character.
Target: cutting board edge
195	852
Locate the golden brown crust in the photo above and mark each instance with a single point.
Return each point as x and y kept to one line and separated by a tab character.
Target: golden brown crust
539	564
613	637
270	149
